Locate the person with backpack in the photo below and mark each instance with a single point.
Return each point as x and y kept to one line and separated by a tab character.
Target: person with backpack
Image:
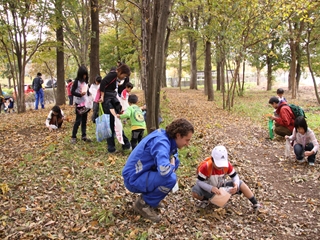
212	174
151	167
111	104
305	143
80	91
284	121
38	91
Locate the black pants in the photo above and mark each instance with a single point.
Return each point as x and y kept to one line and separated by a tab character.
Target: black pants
81	119
136	136
110	140
95	111
299	152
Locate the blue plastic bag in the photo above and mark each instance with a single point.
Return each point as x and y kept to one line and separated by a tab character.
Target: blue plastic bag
103	130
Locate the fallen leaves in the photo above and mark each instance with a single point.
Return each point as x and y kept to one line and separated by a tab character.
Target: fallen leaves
54	190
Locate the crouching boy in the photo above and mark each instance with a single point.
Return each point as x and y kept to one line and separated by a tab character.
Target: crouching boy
211	178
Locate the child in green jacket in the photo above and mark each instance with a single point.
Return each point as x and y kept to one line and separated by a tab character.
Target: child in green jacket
138	123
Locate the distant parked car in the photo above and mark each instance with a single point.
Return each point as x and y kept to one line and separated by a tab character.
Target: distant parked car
50	82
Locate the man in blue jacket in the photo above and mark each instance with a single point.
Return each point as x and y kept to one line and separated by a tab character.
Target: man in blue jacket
150	168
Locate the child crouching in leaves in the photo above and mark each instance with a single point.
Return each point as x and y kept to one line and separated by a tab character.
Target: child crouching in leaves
55	118
211	177
305	142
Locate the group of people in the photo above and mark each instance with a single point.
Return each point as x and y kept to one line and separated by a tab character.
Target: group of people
113	93
151	167
295	129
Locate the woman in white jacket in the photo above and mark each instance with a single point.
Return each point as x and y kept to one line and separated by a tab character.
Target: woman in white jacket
55	118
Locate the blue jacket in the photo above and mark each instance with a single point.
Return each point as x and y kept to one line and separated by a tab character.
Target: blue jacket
153	153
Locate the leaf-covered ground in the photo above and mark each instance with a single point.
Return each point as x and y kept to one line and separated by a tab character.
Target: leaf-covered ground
50	189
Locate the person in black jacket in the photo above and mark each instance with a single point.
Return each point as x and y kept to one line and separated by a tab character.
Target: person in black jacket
80	91
110	101
37	87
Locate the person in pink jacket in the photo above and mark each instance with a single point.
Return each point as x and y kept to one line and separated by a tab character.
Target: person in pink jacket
305	143
284	121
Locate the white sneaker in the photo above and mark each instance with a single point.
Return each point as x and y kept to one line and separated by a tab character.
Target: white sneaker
300	161
311	164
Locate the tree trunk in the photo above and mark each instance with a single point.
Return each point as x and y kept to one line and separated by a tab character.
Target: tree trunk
219	71
166	45
208	71
193	61
258	76
94	50
310	69
293	65
243	77
269	73
298	70
61	84
180	64
153	32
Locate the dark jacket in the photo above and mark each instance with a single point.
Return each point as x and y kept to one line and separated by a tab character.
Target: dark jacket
109	82
36	83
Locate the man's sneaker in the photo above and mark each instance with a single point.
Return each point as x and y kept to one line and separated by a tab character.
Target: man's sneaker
86	139
311	164
160	205
145	210
73	140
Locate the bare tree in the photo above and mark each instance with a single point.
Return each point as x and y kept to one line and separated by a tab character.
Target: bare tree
94	50
21	35
154	24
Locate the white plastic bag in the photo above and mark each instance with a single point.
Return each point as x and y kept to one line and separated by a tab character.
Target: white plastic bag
54	127
287	148
118	129
89	102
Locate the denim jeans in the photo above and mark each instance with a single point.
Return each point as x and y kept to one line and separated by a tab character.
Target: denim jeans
299	152
39	98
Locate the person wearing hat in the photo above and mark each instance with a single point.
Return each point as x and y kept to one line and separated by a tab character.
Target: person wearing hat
212	176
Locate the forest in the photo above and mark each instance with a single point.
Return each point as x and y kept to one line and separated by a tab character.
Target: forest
54	37
50	189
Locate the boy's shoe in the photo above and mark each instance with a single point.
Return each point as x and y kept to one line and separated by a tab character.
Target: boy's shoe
145	210
203	204
86	139
311	164
73	140
256	206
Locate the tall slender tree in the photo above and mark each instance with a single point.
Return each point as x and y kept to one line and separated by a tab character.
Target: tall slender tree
21	31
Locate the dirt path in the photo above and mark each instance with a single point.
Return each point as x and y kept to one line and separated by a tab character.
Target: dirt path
288	191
